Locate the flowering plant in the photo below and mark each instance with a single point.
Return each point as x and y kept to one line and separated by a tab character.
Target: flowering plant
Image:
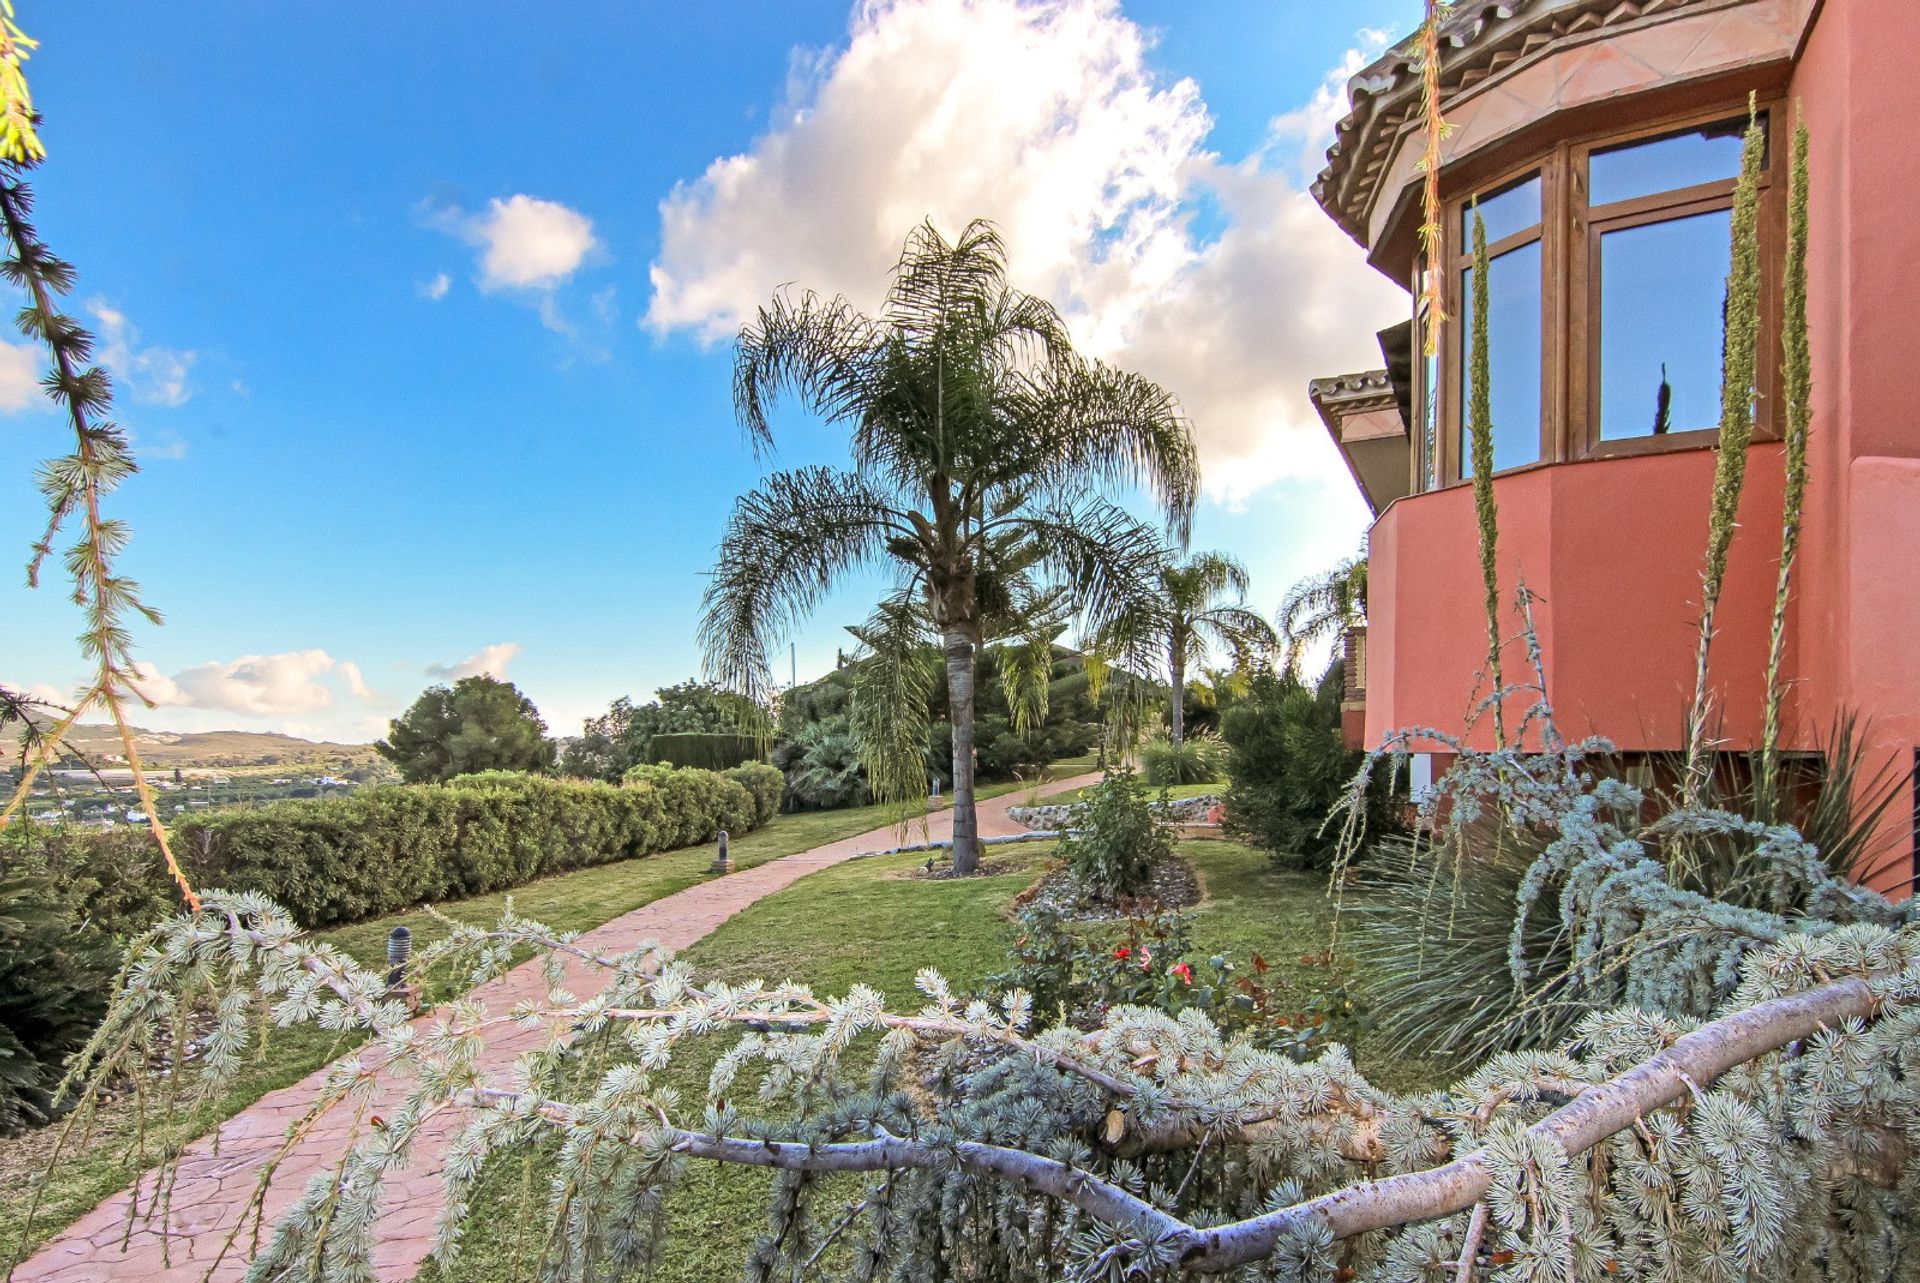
1078	972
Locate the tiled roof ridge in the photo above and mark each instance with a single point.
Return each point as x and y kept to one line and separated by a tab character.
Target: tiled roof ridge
1351	387
1477	41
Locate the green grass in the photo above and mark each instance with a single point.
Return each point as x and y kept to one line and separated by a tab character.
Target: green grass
870	921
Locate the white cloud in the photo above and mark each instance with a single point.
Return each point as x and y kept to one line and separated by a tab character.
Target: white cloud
20	369
436	289
158	375
528	243
489	660
293	683
42	692
168	445
1047	118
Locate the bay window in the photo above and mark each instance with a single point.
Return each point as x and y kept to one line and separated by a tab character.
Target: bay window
1607	268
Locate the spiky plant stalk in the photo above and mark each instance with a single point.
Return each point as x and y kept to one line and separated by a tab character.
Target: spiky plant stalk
1736	434
1434	129
1480	429
1796	369
73	483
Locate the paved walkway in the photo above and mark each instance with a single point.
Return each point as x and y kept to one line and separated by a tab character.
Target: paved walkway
211	1191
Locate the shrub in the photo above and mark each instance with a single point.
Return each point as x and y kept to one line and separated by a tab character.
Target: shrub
55	978
382	850
1077	973
822	766
706	750
1287	769
1546	889
112	881
1195	760
1118	840
765	784
696	804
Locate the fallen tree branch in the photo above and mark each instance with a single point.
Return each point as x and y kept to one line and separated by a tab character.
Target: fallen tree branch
1597	1113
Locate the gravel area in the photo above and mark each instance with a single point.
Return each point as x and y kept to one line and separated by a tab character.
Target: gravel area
1065	815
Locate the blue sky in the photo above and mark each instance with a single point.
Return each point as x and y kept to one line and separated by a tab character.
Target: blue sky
419	311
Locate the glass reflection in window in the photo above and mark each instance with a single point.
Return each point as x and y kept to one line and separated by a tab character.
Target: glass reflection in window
1513	357
1430	423
1704	155
1662	295
1512	209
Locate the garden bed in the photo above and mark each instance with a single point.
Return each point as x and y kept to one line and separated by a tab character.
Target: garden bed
1176	884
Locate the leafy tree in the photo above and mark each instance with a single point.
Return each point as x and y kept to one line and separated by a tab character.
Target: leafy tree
1198	606
477	724
981	439
620	739
1321	607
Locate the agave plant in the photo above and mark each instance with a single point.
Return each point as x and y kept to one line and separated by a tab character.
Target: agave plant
982	444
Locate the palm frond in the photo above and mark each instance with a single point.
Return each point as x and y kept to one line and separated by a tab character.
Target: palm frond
784	546
1244	634
1026	674
1109	559
1091	421
1321	606
823	351
890	696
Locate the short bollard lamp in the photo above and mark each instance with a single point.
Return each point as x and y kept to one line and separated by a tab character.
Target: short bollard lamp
720	862
399	949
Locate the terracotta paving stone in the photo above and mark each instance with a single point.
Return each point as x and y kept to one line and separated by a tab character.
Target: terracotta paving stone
211	1190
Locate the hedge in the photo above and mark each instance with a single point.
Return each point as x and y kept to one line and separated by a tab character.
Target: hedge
706	750
767	785
385	849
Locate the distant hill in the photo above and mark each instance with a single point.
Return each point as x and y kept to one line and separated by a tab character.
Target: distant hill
101	744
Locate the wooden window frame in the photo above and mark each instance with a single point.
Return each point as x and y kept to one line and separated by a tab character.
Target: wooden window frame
1569	232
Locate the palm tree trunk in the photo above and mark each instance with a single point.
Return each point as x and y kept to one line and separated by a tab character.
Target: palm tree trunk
1178	668
966	821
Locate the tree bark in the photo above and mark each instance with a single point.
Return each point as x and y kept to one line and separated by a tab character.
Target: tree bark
966	820
1178	668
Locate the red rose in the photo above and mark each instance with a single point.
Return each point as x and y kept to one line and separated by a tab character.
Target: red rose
1185	972
1122	952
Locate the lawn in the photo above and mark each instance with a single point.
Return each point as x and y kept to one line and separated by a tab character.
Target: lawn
873	921
91	1170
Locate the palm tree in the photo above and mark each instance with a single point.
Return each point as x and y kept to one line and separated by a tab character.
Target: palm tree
1197	606
981	441
1322	606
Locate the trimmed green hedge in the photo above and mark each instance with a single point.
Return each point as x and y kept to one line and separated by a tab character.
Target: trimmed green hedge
705	750
767	785
382	850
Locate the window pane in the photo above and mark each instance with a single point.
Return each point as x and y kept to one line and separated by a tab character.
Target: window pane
1512	209
1662	287
1429	422
1513	357
1703	155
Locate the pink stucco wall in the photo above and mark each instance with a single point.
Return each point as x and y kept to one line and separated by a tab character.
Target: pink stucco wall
1613	547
